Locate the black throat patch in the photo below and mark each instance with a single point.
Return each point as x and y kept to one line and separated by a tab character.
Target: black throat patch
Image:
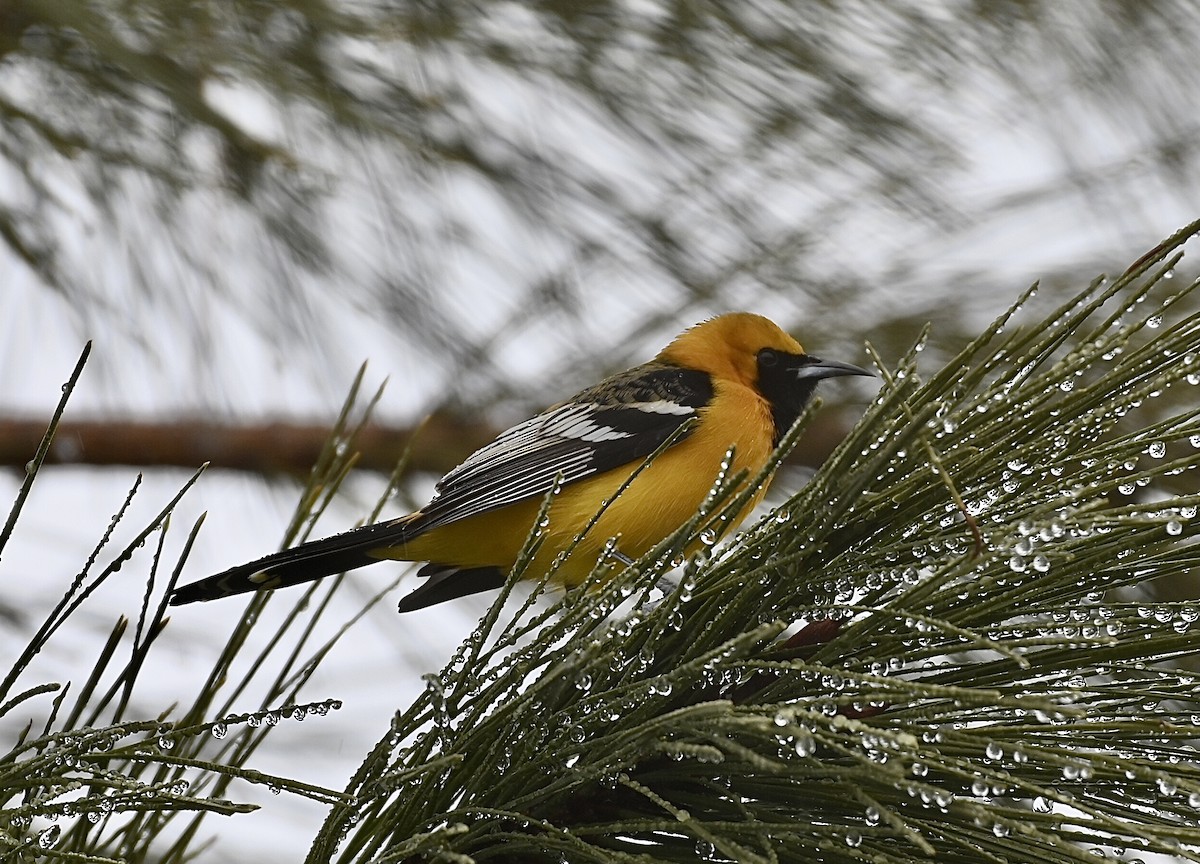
784	390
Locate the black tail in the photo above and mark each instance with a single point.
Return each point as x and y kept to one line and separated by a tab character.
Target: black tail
445	582
304	563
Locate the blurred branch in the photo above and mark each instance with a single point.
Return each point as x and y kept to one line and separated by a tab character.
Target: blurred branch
438	444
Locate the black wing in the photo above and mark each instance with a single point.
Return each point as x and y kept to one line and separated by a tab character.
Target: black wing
620	420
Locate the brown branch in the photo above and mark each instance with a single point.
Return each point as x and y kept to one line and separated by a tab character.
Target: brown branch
262	448
280	447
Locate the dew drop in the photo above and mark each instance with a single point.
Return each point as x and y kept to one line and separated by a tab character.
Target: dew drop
47	838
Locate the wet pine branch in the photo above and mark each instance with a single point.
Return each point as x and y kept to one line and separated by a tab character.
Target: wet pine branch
942	645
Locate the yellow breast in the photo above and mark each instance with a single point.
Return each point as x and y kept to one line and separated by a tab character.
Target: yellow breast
665	495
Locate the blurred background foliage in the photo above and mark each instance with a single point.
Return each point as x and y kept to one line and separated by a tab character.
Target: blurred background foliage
493	190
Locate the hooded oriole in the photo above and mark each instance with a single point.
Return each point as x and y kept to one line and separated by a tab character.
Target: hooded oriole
741	378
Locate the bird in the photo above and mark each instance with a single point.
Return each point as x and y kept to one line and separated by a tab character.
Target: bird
720	397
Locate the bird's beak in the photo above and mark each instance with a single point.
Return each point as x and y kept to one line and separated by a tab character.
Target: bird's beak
816	369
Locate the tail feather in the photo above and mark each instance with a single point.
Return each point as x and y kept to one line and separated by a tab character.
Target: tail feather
304	563
445	582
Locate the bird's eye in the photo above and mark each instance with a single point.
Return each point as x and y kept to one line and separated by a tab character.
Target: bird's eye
767	358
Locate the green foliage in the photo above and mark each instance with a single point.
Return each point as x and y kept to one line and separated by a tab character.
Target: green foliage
87	783
969	679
